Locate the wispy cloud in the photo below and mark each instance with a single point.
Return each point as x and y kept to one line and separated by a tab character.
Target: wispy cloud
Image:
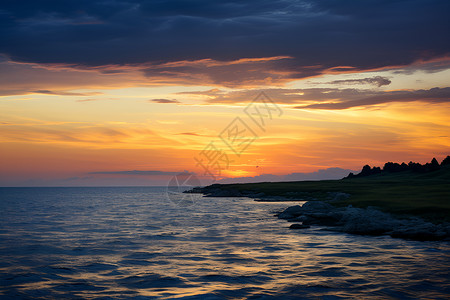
95	99
87	100
250	73
165	101
18	78
195	134
64	93
434	95
96	136
377	80
231	73
190	133
326	98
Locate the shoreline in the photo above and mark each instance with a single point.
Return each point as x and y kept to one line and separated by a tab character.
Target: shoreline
369	221
364	221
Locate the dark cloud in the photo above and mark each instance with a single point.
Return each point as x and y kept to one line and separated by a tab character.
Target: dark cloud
327	98
322	33
241	72
25	78
434	95
282	95
377	80
427	67
164	101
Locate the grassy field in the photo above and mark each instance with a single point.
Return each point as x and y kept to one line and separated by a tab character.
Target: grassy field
424	194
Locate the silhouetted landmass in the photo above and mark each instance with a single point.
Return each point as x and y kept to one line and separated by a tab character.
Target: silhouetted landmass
391	167
409	201
412	189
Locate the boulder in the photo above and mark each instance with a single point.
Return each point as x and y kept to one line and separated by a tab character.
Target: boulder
291	212
367	221
317	206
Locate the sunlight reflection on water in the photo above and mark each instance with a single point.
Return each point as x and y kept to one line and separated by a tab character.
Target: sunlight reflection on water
129	242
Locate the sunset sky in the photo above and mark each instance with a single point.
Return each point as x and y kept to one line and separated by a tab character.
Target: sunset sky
130	92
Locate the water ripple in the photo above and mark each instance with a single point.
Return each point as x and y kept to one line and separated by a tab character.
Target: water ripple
118	243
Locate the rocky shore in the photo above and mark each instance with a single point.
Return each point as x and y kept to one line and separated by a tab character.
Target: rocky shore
368	221
362	221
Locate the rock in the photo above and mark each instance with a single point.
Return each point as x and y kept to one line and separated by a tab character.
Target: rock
368	221
291	212
317	206
313	212
299	226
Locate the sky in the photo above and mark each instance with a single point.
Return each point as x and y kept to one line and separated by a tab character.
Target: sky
100	93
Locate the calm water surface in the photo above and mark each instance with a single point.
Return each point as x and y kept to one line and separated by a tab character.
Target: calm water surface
116	243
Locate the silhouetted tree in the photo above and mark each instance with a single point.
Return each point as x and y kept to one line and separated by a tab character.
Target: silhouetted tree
376	170
391	167
416	167
446	161
366	171
433	166
404	167
434	162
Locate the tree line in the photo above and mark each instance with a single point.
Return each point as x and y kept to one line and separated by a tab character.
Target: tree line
391	167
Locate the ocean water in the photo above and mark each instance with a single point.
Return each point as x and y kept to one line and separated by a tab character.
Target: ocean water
134	243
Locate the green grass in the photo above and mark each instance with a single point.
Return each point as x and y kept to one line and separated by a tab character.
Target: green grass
423	194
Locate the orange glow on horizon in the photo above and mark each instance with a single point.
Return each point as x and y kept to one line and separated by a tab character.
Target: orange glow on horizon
75	126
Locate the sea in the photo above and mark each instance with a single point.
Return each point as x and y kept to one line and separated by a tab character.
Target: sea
150	243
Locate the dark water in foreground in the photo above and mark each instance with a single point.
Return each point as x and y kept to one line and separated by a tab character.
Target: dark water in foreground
116	243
